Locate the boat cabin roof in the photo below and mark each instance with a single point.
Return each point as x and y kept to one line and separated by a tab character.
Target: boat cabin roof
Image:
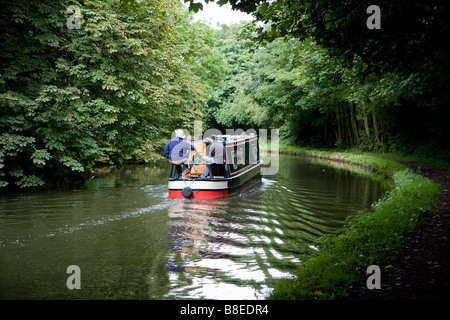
228	138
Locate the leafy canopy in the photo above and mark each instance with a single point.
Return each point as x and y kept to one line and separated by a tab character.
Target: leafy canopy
104	92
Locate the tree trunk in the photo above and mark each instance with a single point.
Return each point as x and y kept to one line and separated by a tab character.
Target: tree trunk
339	128
375	127
366	122
348	126
354	124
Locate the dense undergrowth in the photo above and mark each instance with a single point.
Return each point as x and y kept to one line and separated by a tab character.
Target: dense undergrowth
370	238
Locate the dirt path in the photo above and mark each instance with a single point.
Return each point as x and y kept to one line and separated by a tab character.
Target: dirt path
422	268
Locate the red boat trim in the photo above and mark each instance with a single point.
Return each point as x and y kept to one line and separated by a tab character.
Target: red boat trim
200	194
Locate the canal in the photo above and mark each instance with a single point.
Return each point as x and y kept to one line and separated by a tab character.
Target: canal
130	241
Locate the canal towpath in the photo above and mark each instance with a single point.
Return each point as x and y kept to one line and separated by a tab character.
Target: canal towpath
421	269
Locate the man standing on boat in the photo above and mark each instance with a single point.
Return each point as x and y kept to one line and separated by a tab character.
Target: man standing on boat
176	151
217	155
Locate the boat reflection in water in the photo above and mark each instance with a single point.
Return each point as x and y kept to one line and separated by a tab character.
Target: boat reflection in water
218	255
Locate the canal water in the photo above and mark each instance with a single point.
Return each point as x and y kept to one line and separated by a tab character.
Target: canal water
130	241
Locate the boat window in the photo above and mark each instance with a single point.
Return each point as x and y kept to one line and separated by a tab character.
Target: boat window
241	156
233	156
255	152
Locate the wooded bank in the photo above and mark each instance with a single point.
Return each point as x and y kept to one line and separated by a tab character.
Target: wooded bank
113	90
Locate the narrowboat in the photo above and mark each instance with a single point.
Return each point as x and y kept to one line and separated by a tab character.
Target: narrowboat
240	171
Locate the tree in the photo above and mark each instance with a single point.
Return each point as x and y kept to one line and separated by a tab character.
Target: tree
104	92
406	71
198	44
234	105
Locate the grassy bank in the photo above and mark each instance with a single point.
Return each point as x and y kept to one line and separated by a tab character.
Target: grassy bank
370	238
333	153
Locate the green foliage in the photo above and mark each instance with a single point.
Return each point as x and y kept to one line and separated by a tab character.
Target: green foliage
243	5
355	87
104	92
409	31
229	103
368	142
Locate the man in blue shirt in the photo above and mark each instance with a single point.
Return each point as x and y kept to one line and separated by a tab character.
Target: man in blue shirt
176	151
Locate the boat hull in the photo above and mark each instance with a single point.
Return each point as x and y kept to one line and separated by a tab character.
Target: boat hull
217	188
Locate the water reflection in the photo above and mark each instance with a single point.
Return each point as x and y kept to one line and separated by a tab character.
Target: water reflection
215	254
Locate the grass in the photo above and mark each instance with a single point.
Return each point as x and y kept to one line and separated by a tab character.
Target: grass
331	153
371	237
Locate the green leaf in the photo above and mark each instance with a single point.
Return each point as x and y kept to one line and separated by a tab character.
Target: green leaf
73	164
16	173
30	181
39	156
195	7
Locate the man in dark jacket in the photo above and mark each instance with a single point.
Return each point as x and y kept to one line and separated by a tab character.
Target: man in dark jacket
176	151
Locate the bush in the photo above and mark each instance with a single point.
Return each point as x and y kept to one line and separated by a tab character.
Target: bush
368	143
